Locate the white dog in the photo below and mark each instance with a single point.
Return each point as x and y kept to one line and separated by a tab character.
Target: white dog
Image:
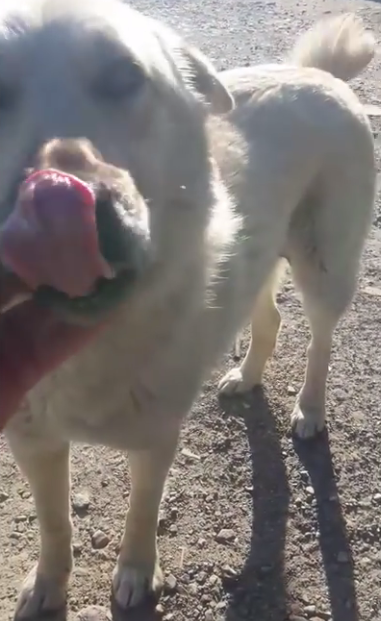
151	230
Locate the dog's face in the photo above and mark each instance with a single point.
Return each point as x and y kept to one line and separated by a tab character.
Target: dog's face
103	154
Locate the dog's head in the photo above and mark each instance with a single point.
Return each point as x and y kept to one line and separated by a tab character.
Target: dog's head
104	155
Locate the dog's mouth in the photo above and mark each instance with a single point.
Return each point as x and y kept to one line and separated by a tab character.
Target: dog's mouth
69	252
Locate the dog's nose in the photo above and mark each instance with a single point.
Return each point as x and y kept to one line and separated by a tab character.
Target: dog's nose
69	155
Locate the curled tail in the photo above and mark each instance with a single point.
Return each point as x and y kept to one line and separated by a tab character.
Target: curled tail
339	45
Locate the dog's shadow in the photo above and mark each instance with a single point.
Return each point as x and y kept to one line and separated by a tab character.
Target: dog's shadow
261	590
334	544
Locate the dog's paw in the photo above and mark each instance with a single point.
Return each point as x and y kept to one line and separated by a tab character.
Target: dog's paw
234	382
40	595
132	586
307	422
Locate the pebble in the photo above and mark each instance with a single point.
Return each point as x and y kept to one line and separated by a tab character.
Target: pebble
310	610
3	496
225	535
99	540
229	572
187	453
291	390
94	613
77	547
209	616
201	577
81	502
174	513
310	490
377	497
193	588
214	580
170	584
341	395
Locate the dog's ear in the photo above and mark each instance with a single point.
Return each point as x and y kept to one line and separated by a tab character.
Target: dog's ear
194	69
203	78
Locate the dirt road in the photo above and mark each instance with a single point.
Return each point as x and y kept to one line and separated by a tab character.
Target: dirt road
254	527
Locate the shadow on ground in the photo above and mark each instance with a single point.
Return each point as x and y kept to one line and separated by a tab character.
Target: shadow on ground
260	591
336	553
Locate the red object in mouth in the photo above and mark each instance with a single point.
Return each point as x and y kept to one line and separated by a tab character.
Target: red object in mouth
33	343
51	236
50	239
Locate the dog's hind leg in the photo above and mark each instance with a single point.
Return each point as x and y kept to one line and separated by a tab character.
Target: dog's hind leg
324	253
308	416
265	324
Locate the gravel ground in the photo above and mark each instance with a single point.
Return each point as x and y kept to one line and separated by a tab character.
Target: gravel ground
254	526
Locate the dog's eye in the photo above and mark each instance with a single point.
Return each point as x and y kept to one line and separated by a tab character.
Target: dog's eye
121	79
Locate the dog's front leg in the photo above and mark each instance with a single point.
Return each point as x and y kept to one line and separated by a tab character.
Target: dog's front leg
138	574
47	470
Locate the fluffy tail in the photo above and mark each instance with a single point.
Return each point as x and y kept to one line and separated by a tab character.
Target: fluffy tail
339	45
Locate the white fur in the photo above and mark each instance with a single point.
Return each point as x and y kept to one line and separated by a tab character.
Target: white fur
288	173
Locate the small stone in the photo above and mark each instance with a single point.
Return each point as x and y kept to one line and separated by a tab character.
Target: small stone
310	490
377	498
170	584
291	390
225	535
3	496
99	540
343	557
159	609
340	394
169	617
201	577
93	613
214	580
193	589
209	616
373	291
163	524
187	453
77	547
174	513
310	610
229	572
173	529
201	543
81	502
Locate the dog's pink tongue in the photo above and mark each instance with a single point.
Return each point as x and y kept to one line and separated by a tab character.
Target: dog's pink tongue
51	237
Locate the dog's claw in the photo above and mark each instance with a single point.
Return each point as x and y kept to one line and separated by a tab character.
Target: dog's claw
234	382
132	586
307	422
39	595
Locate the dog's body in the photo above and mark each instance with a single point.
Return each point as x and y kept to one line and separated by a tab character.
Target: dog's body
288	173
